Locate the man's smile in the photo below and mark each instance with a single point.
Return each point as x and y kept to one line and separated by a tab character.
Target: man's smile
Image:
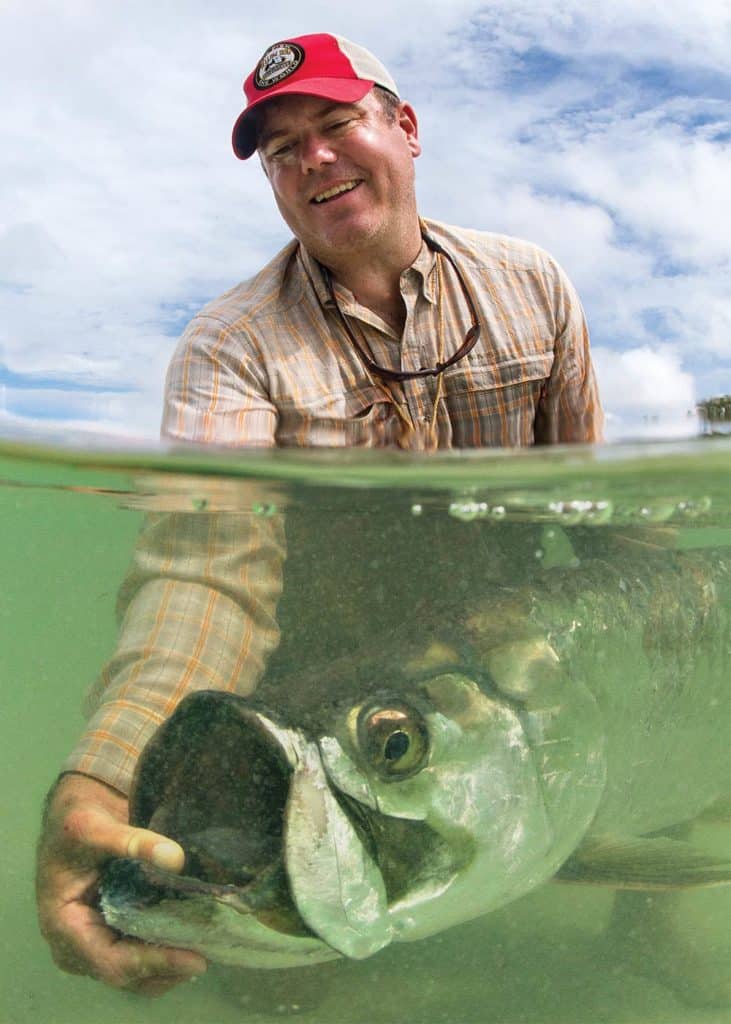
336	190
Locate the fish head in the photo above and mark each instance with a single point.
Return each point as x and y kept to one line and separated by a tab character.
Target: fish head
385	814
471	795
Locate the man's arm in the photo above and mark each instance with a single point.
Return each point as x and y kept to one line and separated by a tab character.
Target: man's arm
569	410
217	389
198	611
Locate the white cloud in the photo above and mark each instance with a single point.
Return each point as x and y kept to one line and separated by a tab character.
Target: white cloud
646	392
656	30
663	183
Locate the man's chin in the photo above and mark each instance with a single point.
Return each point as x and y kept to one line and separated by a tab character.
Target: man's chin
351	236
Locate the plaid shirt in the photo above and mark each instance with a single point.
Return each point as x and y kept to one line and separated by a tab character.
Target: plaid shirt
269	364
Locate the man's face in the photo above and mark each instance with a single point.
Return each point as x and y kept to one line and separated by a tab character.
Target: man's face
342	173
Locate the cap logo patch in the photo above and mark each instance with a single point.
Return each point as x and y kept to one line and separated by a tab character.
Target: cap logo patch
280	61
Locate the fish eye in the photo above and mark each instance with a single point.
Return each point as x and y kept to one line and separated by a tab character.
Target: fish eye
394	740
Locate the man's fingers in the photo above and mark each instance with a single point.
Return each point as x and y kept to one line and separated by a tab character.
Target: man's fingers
85	945
85	825
95	829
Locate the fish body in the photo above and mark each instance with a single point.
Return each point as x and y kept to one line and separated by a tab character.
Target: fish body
538	731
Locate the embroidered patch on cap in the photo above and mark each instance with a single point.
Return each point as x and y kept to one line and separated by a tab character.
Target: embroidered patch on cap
280	61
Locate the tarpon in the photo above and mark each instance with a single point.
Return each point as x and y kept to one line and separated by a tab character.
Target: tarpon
561	729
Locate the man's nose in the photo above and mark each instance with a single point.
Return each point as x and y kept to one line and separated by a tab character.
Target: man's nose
315	152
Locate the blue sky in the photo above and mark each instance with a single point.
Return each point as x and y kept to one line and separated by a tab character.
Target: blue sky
602	135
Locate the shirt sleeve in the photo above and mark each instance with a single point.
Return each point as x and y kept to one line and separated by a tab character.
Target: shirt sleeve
569	409
197	607
216	390
197	611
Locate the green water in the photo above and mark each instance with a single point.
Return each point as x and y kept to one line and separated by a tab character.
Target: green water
391	531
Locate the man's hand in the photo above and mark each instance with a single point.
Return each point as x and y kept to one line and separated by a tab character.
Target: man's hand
85	825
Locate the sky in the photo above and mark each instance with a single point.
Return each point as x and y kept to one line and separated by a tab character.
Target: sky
602	133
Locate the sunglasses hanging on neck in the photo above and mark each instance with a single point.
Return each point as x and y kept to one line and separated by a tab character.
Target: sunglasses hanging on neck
400	375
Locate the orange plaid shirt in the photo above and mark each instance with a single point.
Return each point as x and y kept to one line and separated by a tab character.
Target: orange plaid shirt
269	364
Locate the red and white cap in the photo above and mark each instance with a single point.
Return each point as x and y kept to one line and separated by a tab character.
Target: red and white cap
315	65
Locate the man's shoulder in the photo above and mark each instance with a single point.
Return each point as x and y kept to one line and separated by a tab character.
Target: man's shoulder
271	289
492	250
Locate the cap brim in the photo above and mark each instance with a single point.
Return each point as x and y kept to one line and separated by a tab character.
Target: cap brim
344	90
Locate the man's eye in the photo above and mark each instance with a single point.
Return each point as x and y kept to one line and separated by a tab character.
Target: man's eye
281	151
336	125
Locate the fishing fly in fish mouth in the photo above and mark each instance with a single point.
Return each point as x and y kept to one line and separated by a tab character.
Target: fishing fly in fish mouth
432	792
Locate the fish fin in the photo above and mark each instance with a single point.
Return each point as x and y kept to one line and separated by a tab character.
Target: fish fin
637	863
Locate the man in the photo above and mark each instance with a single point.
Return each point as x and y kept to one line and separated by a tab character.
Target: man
374	327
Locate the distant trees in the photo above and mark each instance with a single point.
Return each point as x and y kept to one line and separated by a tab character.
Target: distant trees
713	411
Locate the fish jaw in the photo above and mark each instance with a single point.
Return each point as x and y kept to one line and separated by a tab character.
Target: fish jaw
160	907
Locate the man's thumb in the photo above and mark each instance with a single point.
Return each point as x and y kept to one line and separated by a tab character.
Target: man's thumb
100	831
159	850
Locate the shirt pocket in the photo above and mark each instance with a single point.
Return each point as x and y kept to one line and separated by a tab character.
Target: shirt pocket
487	376
362	417
494	403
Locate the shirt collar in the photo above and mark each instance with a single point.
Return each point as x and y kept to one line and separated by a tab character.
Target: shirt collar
313	270
424	266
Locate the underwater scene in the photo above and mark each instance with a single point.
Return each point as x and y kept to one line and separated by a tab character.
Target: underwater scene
482	774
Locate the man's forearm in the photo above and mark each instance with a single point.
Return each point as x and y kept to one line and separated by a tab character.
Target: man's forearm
198	613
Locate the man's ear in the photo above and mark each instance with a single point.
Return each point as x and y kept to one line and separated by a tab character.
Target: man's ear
410	126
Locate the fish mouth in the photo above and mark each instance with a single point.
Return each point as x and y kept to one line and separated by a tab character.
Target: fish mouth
277	871
219	789
215	778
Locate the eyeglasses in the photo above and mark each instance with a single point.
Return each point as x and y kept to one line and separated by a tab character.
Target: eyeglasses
399	375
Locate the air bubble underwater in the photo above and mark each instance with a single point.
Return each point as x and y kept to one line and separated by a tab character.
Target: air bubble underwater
468	511
264	509
578	512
